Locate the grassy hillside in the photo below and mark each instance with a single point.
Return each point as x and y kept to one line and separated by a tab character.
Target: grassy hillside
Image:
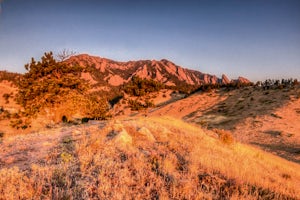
268	119
141	158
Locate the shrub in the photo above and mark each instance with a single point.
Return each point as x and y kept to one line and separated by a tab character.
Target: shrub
10	76
136	105
6	97
96	108
6	114
16	123
141	87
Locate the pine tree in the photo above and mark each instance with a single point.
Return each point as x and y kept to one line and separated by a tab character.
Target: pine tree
56	88
46	81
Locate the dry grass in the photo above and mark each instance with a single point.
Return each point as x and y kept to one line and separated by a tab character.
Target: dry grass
249	114
224	136
152	158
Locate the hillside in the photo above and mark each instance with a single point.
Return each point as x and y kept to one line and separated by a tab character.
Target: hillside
268	119
145	158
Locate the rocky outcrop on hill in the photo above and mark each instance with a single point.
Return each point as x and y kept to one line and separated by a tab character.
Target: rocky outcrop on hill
242	80
225	79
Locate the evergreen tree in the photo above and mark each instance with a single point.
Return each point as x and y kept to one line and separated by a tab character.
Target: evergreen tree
56	88
46	81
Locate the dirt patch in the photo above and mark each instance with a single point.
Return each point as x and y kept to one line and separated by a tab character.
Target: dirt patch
24	150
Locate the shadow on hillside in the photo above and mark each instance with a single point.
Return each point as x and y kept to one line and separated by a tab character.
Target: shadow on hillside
285	151
242	104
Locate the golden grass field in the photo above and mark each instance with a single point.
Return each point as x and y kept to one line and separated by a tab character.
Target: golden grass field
141	158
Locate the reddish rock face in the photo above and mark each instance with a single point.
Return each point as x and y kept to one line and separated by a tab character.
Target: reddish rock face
225	79
113	73
242	80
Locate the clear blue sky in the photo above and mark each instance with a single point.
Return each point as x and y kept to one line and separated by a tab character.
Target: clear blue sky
255	38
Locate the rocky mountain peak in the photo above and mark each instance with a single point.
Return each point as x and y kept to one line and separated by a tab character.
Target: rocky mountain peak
225	79
108	72
243	80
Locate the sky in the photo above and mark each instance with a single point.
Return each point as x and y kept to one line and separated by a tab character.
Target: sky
257	39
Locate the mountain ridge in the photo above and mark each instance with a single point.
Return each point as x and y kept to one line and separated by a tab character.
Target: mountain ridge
108	72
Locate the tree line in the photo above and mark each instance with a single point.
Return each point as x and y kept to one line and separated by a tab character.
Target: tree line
277	84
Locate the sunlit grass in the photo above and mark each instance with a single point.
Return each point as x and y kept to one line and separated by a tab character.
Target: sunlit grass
165	158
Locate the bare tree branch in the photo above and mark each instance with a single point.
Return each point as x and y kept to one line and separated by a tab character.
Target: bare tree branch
65	54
